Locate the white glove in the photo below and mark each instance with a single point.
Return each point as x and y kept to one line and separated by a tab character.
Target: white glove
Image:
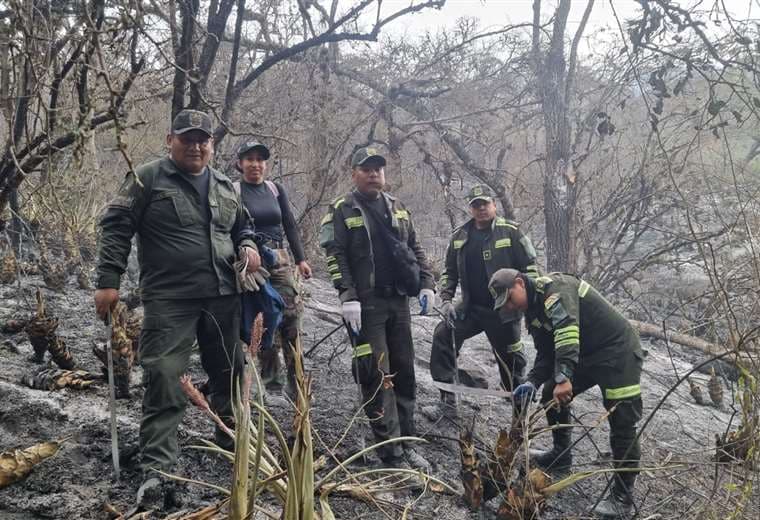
427	300
352	313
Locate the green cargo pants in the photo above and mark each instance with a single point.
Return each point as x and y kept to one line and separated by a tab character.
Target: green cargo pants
283	281
503	337
170	328
619	380
385	348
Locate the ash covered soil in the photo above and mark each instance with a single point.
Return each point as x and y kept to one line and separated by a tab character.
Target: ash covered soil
78	481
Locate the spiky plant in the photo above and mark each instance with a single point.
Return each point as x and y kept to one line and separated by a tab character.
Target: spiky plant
41	330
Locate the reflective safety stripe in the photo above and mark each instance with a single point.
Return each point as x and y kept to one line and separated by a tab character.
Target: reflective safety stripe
338	202
362	350
583	288
515	347
333	268
532	271
566	336
401	214
541	281
503	242
354	222
336	276
326	219
331	259
502	222
458	244
623	392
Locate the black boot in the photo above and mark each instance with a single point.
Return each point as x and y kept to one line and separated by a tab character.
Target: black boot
560	457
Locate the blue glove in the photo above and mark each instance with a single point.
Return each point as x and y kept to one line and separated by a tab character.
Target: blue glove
268	256
523	393
427	298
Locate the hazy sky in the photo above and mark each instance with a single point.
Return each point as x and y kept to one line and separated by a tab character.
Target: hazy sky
496	13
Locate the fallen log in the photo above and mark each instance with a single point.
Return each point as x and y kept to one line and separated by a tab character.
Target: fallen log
748	358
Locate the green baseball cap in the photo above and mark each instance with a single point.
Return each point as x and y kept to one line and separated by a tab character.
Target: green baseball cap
362	155
500	284
252	145
479	192
188	120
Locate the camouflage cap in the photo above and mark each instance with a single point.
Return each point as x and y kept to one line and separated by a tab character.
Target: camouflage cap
500	284
479	192
188	120
252	145
362	155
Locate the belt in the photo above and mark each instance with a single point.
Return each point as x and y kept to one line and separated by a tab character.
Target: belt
386	291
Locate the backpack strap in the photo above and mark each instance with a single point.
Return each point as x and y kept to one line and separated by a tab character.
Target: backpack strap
273	188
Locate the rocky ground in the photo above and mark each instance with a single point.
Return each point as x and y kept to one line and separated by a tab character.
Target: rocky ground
78	482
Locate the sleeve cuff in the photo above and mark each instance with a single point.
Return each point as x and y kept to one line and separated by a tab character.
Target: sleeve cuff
348	295
109	281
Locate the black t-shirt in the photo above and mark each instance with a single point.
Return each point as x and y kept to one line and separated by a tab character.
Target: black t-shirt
477	277
384	269
271	214
200	183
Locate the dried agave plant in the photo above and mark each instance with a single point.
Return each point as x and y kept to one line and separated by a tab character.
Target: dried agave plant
54	273
56	378
124	339
289	472
696	392
17	464
526	502
8	267
473	484
715	389
41	330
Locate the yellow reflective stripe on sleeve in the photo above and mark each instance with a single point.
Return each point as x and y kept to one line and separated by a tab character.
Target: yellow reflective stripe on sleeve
541	281
401	214
333	268
362	350
327	219
354	222
338	202
566	336
622	392
503	242
458	244
515	347
331	259
566	343
583	288
336	276
532	271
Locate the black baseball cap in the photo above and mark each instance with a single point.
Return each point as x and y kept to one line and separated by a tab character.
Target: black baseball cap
500	284
188	120
252	145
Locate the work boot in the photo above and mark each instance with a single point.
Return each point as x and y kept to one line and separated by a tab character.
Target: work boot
157	493
613	506
558	459
417	461
446	407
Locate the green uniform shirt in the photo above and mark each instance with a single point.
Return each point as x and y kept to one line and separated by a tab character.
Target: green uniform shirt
182	253
506	247
348	245
572	324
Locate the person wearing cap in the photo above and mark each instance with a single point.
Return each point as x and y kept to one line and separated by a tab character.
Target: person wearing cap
581	341
477	249
190	225
375	303
267	202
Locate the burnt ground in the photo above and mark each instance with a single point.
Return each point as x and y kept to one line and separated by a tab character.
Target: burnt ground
78	481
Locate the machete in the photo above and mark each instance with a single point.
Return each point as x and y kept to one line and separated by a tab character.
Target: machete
468	390
112	396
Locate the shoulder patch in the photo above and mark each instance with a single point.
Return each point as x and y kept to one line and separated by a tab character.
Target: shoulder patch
551	300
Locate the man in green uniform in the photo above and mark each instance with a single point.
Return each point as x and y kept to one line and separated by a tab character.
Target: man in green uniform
477	249
581	341
375	304
190	224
